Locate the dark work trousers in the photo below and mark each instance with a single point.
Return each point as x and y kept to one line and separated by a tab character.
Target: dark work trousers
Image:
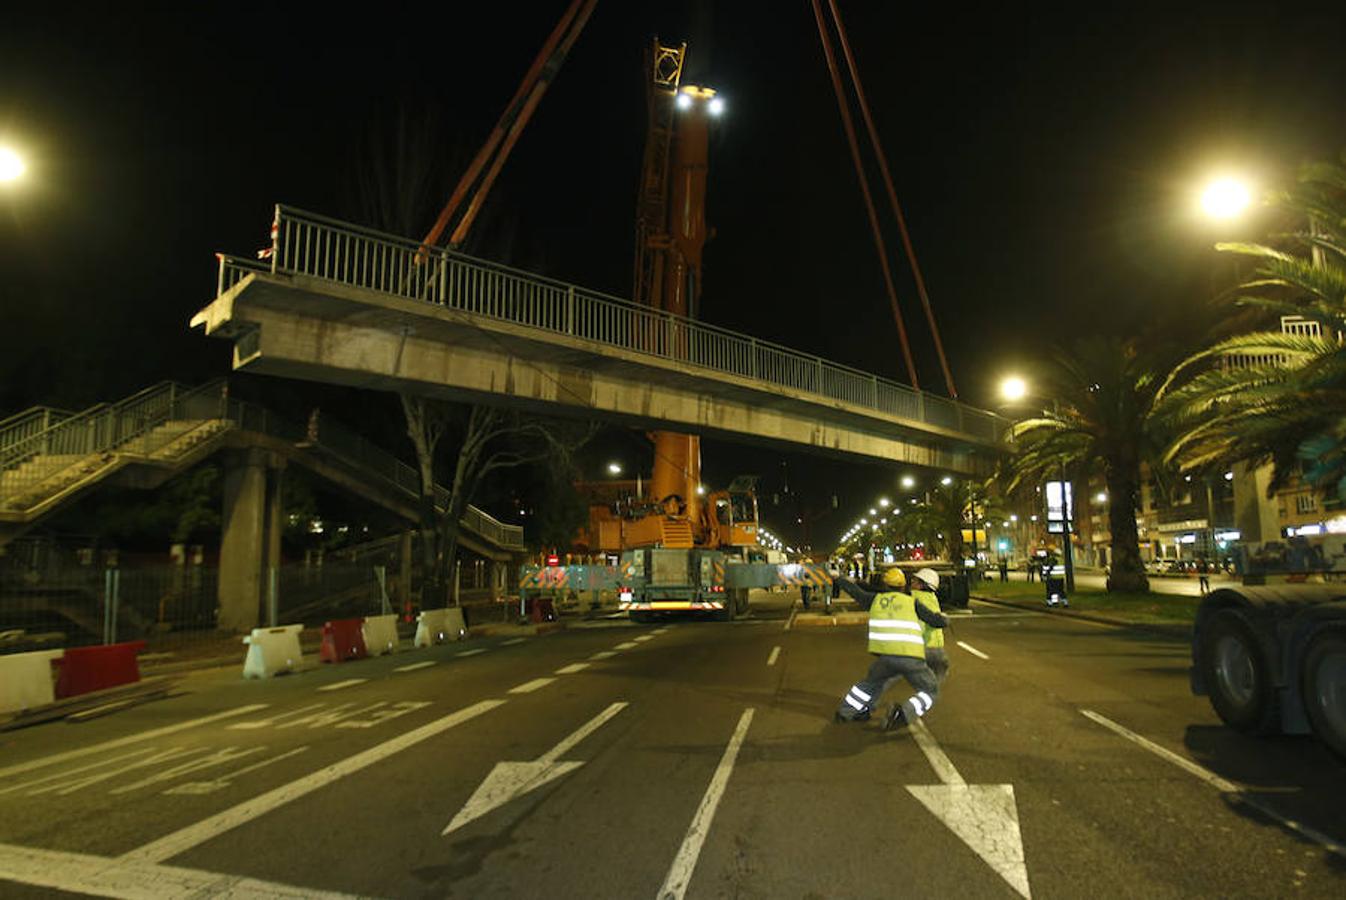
864	696
937	658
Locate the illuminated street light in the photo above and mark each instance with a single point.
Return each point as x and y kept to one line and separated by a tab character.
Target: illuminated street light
1014	518
908	482
1013	388
873	512
1101	497
11	165
883	501
1225	198
614	468
946	480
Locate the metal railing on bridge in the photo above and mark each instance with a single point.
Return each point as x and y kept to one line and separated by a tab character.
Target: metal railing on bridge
143	426
305	243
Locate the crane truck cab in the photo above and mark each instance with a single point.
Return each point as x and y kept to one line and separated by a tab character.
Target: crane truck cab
1272	659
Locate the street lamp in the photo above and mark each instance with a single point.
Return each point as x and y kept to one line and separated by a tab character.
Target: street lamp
614	468
1013	388
908	482
946	480
11	165
1225	198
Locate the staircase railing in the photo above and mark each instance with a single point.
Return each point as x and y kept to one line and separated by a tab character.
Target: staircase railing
134	426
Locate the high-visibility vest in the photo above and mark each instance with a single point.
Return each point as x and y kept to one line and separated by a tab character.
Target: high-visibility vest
934	637
894	628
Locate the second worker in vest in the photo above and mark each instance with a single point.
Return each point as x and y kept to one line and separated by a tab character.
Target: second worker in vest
922	586
896	640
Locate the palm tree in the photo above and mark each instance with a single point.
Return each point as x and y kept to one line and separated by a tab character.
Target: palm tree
1277	395
1103	391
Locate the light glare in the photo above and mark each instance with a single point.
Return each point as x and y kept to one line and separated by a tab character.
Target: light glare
11	165
1014	388
1225	198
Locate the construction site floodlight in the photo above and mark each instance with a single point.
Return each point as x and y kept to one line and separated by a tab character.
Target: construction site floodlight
715	107
684	101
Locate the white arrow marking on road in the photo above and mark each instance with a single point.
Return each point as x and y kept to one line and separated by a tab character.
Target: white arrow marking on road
509	780
982	815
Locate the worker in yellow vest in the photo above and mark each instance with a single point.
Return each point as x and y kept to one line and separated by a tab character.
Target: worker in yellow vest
897	642
922	585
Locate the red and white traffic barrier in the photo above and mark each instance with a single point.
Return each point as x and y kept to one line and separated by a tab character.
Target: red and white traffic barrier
26	680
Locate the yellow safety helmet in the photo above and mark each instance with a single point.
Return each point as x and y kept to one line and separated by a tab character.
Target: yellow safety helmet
895	577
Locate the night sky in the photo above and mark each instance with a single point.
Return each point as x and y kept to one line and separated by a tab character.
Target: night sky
1046	158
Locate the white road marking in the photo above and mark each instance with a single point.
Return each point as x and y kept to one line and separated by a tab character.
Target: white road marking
643	638
98	876
398	709
973	650
271	720
218	758
659	630
680	873
224	781
414	666
1220	784
790	621
56	785
470	652
529	686
193	835
771	660
626	645
984	816
340	685
572	668
129	739
512	641
604	654
513	779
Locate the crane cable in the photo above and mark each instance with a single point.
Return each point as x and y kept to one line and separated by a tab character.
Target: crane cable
864	188
892	197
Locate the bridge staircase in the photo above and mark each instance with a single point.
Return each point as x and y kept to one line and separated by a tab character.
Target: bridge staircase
50	457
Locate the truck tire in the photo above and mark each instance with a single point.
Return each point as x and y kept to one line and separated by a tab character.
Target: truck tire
1238	675
727	614
1324	689
741	602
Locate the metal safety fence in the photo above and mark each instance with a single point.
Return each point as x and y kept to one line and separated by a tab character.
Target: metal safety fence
309	244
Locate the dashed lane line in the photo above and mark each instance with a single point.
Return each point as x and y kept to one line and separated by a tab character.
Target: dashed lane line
604	654
643	638
414	666
512	641
627	645
470	652
973	650
680	873
529	686
341	685
184	839
129	739
572	668
1220	784
771	660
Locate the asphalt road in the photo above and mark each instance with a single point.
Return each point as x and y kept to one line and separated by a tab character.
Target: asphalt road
686	759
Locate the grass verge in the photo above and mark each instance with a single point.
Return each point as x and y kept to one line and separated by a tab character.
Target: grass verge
1145	608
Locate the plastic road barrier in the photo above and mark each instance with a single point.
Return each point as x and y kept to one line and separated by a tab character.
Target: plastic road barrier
342	640
25	680
272	651
435	626
85	669
380	634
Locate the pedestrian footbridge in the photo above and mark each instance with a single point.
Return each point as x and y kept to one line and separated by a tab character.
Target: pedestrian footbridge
339	303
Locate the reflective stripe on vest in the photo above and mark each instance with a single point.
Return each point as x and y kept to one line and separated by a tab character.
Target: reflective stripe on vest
894	629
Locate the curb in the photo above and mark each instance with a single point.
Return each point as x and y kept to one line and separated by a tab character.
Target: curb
817	620
1171	631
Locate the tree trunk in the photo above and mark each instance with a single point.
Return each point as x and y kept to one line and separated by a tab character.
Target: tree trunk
1127	572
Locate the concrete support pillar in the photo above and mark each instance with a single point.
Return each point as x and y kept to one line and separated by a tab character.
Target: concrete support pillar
1256	516
405	549
250	544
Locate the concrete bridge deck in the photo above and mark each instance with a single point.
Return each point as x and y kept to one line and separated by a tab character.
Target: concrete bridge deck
339	303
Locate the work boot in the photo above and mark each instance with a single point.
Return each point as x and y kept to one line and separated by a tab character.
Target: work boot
896	718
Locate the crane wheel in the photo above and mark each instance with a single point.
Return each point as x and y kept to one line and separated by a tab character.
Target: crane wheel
1324	689
1238	675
